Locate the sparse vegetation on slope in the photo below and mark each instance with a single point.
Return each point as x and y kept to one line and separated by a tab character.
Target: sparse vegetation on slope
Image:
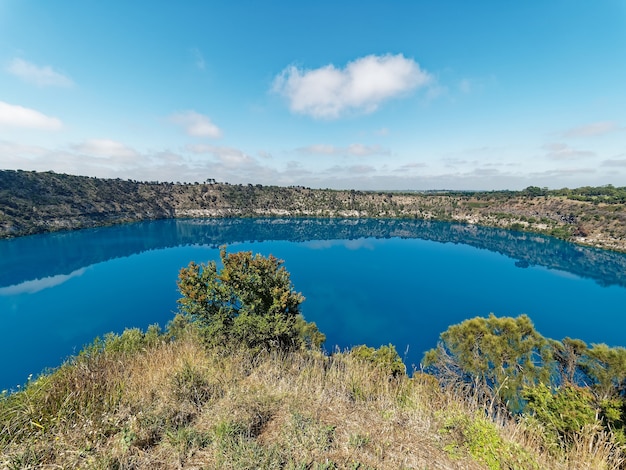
39	202
150	401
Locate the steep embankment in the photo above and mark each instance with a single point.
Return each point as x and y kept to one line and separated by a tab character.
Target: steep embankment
39	202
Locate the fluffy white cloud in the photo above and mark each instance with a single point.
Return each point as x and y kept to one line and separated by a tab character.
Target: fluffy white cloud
18	116
329	92
40	76
196	124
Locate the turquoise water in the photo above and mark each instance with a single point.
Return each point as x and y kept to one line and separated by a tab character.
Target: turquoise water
365	281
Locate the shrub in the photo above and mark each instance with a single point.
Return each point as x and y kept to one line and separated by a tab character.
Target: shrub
250	301
563	412
385	357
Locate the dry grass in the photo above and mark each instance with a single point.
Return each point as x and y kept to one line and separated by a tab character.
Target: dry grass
179	405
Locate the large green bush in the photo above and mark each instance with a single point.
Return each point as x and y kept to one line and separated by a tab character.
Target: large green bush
249	301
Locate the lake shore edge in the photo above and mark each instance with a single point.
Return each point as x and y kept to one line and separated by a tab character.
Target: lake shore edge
33	202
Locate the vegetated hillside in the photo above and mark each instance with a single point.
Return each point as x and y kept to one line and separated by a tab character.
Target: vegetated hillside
144	401
38	202
238	381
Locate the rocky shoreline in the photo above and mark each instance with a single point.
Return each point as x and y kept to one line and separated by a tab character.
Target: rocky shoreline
32	202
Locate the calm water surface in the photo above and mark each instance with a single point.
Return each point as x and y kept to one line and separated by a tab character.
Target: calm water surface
366	282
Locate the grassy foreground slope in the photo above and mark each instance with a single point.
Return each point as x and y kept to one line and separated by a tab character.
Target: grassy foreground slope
150	401
33	202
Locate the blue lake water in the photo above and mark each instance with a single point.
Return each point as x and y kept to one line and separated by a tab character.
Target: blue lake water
368	282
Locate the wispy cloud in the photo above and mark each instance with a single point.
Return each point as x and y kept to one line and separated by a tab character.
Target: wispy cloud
198	58
465	86
329	92
106	148
12	115
228	156
383	131
560	151
200	161
593	129
361	150
619	161
409	167
351	170
357	150
196	124
38	75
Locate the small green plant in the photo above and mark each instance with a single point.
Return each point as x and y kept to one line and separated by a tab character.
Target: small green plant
228	430
480	438
187	439
128	437
358	440
190	385
310	433
385	357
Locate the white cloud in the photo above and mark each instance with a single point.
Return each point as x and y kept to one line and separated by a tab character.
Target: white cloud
361	150
40	76
465	86
228	156
198	59
409	167
339	172
365	83
356	150
196	124
560	151
106	148
383	131
615	162
18	116
593	129
318	149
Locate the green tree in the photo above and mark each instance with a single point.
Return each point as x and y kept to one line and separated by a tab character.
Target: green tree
250	301
606	367
567	355
493	357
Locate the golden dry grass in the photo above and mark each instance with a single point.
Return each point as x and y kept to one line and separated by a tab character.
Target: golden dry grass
178	405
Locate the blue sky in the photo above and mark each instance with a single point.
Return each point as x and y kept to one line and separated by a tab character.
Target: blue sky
435	94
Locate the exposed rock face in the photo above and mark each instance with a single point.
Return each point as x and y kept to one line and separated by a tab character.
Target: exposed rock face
33	202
